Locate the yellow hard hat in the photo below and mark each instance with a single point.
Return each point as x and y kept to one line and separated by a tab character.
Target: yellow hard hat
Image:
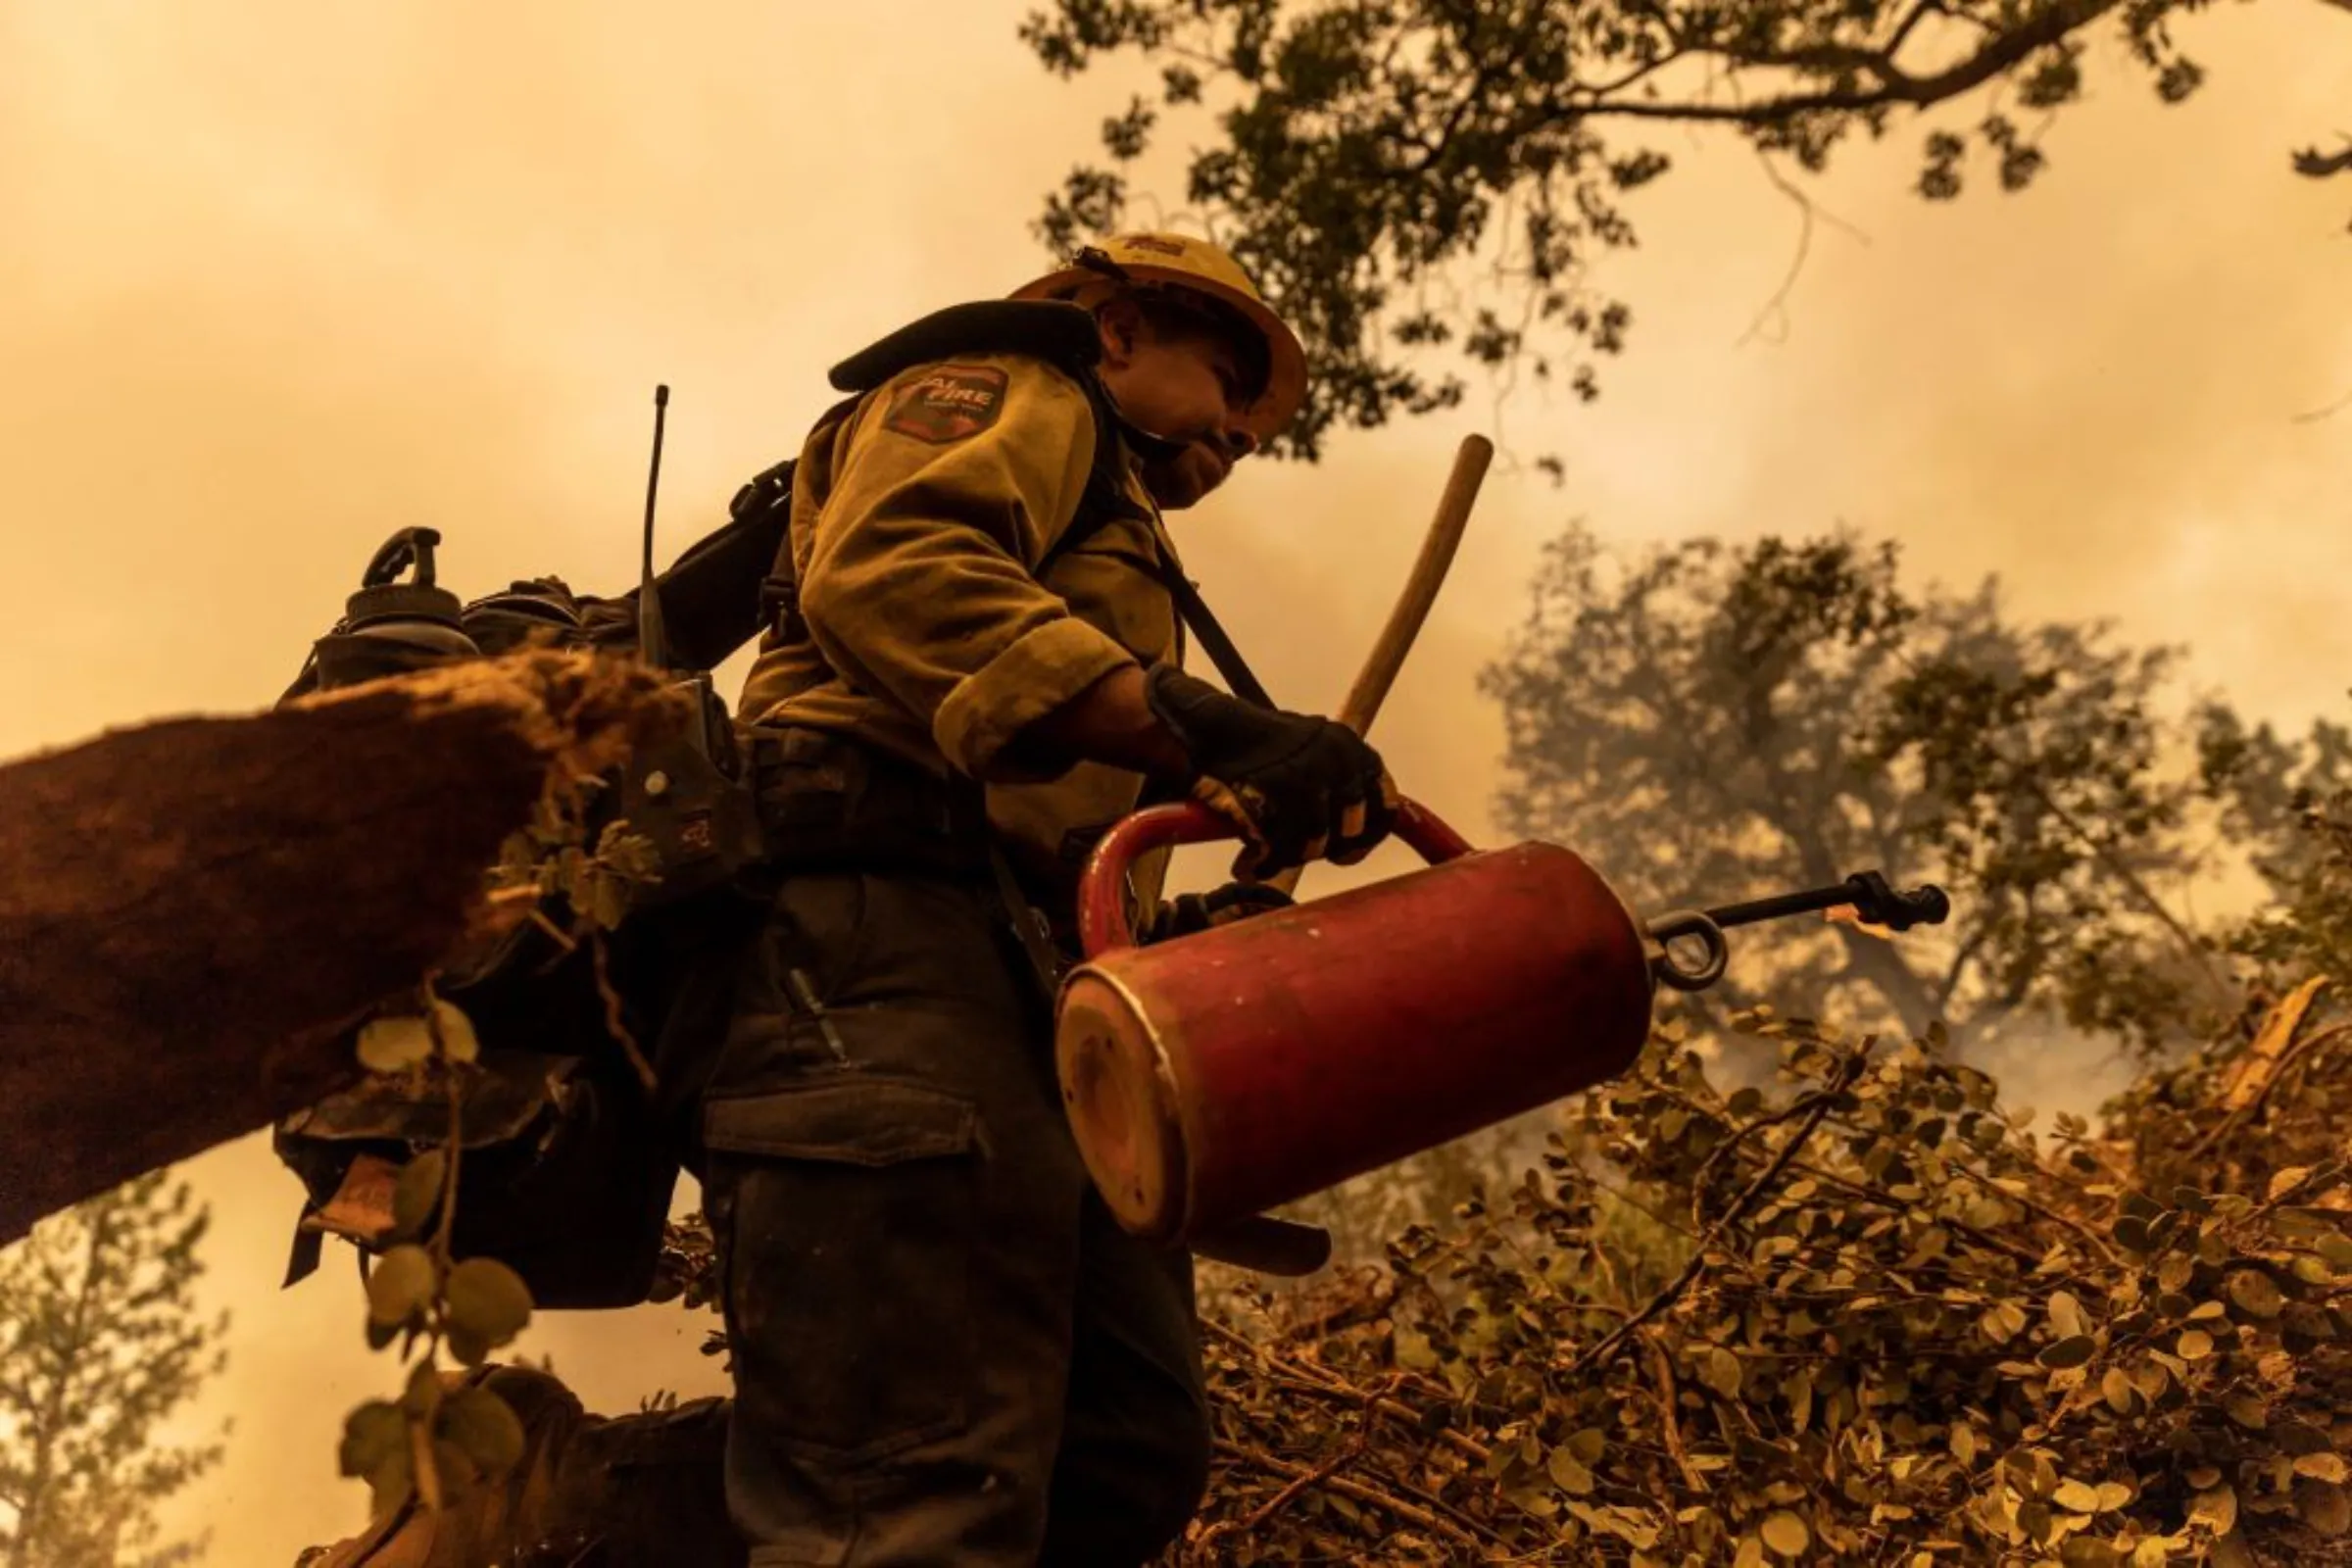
1181	262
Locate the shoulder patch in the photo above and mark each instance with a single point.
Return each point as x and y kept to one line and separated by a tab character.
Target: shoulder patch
948	404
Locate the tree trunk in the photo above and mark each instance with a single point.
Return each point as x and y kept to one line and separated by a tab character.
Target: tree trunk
33	1516
1880	964
191	911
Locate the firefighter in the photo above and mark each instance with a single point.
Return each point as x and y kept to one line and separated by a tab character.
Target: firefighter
945	1351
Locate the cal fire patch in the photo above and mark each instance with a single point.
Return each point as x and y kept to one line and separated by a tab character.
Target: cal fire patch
948	404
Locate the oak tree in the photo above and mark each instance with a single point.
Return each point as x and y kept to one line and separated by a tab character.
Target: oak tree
1713	722
1364	151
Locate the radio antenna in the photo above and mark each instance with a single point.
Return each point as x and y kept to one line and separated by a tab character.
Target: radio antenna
650	641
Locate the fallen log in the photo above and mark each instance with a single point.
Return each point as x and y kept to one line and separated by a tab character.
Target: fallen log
193	911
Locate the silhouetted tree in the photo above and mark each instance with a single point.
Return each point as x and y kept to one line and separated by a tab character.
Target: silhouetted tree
1361	147
1712	722
100	1345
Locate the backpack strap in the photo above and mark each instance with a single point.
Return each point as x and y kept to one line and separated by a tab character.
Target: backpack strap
1214	641
1061	334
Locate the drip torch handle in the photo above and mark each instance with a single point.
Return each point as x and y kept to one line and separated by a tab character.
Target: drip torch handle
1102	922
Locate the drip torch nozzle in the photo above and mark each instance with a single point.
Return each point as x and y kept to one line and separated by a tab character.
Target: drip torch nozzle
1878	904
1871	897
1869	894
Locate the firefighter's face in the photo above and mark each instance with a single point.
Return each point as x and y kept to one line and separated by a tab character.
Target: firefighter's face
1184	387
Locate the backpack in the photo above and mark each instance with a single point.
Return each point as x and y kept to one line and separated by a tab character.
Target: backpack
569	1163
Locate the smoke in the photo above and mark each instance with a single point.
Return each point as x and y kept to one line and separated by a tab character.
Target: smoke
285	277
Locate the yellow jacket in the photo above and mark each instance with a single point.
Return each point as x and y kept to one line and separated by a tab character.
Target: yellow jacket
919	516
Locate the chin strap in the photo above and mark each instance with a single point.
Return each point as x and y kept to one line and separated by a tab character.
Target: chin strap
1147	445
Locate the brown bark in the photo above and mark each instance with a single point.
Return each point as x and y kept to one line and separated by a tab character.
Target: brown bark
191	911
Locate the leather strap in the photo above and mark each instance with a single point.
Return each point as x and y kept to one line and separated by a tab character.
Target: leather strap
1221	650
1028	925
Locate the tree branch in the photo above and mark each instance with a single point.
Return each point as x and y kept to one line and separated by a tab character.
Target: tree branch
2141	892
1467	1532
1668	1398
1895	86
1482	82
1847	1071
1959	968
2316	164
1904	28
1640	74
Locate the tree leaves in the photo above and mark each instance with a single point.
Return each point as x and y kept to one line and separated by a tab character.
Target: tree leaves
2022	1395
2256	1293
418	1192
449	1438
1366	160
402	1042
395	1044
376	1448
484	1428
2327	1467
2069	1352
436	1440
488	1305
2322	1504
371	1435
2079	1495
2215	1508
1804	707
1784	1533
460	1435
2002	1322
104	1347
401	1286
1569	1474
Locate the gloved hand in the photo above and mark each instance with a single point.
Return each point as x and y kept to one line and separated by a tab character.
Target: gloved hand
1189	914
1297	787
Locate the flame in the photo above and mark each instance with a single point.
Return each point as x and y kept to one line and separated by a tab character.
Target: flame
1847	914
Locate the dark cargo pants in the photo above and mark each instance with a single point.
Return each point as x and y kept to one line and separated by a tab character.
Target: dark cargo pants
944	1349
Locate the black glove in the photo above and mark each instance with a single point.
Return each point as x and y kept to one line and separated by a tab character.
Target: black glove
1297	787
1191	912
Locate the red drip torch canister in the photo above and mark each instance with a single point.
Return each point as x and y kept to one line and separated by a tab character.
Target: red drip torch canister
1217	1076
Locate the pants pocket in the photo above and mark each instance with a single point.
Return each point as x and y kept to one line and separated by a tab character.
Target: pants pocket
779	1024
846	1207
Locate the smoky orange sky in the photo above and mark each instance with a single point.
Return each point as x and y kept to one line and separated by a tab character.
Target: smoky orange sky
282	278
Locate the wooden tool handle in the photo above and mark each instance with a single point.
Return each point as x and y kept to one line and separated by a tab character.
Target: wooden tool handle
1437	547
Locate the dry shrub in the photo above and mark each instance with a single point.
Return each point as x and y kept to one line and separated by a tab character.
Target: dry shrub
1863	1315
